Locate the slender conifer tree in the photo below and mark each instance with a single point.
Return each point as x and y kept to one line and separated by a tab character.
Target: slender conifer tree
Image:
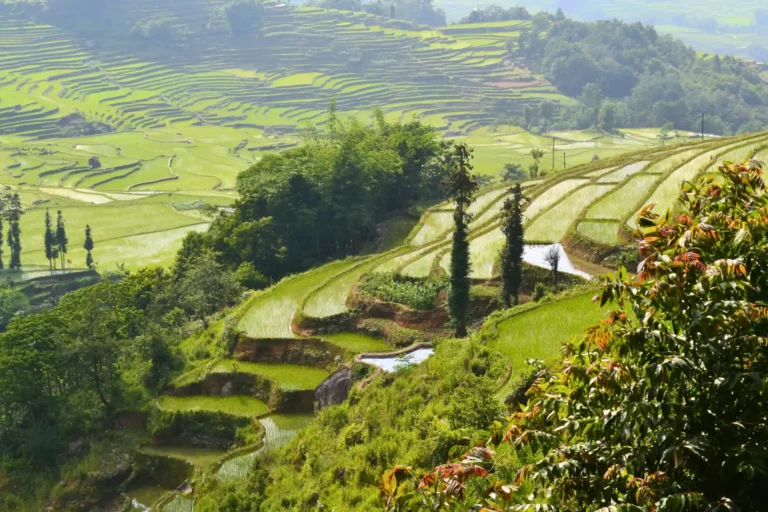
13	212
460	186
88	246
514	246
61	239
50	239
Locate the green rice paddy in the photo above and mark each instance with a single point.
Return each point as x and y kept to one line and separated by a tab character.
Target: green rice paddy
234	405
357	343
540	332
287	376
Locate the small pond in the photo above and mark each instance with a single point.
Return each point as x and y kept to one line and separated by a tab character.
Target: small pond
389	364
534	255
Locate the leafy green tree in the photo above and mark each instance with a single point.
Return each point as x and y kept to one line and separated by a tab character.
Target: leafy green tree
12	212
514	246
460	187
49	239
61	239
206	287
513	172
12	302
664	132
533	169
662	407
546	113
244	17
88	246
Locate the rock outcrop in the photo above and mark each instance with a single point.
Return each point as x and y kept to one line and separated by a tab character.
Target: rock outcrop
334	389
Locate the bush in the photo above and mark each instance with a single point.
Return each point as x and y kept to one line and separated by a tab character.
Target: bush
540	291
414	293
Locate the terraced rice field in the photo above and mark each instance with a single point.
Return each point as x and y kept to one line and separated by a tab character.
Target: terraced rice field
279	430
235	405
605	232
553	225
269	315
330	299
436	225
287	376
539	333
357	343
179	504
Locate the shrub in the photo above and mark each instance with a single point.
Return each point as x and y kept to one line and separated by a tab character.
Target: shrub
414	293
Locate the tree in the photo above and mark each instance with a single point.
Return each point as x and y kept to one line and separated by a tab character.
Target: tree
552	257
607	118
61	239
664	133
206	287
514	246
662	406
12	211
533	169
530	116
88	246
513	172
546	113
460	186
244	17
50	240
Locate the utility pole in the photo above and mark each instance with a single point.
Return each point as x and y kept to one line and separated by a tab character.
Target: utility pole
563	159
702	126
553	154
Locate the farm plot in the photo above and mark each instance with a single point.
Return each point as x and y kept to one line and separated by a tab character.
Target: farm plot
287	376
436	225
331	298
269	314
234	405
623	200
668	191
553	225
539	333
605	232
357	343
551	196
623	173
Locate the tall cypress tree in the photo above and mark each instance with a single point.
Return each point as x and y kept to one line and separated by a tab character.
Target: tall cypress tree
460	186
514	246
13	212
50	239
88	246
61	239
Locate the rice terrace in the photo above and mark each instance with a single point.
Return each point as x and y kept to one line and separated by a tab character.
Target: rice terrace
345	256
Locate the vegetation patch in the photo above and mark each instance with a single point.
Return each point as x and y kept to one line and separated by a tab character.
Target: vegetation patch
418	294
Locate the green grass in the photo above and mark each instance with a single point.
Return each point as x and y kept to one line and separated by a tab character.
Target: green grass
553	225
623	173
357	343
234	405
540	332
395	231
288	376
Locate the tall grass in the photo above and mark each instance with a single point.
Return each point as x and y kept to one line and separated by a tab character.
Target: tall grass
553	225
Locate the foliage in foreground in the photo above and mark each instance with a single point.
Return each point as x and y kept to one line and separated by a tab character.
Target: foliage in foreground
416	415
666	413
